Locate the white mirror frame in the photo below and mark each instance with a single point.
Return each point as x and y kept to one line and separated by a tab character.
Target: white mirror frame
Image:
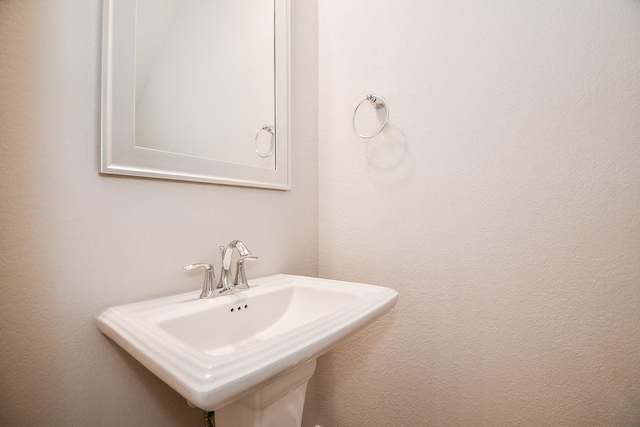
119	154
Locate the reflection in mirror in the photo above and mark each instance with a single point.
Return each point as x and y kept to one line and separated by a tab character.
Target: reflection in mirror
204	81
197	90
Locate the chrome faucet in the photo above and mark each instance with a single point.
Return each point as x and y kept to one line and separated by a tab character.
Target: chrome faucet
225	275
240	281
209	288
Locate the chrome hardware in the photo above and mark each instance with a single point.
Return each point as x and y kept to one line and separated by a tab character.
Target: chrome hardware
225	274
225	286
378	102
209	289
240	281
255	140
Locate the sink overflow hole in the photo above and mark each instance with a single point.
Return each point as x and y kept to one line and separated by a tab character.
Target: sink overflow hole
240	308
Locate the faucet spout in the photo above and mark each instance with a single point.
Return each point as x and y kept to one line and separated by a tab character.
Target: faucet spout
225	275
228	251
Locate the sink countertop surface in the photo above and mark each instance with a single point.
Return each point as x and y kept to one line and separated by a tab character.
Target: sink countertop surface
213	351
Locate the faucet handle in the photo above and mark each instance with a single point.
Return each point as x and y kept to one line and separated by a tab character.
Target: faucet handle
208	287
241	281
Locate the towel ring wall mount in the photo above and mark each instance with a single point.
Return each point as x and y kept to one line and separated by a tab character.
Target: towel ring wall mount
378	103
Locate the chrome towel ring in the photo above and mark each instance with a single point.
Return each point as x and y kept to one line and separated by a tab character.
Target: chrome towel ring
255	140
378	102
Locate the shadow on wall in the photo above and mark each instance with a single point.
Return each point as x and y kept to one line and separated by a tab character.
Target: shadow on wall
340	369
389	158
153	388
27	340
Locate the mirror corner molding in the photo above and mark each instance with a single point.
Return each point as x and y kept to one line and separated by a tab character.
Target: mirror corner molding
121	156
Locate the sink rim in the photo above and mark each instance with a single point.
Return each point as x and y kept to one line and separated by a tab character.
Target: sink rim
212	381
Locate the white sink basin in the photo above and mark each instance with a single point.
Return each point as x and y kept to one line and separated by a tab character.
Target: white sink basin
213	351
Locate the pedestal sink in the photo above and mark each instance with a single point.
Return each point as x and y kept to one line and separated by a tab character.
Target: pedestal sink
248	355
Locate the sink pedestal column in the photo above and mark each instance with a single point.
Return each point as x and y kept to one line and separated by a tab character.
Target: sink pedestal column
278	403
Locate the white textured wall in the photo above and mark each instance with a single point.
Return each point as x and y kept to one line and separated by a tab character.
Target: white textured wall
73	243
503	203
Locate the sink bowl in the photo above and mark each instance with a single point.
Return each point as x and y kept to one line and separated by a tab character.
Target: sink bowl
214	351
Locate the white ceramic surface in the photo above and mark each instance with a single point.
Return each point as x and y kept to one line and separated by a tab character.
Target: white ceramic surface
214	351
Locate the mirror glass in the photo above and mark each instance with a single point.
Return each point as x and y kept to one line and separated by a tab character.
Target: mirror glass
197	90
205	79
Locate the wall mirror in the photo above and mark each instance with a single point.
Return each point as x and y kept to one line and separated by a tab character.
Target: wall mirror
197	90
